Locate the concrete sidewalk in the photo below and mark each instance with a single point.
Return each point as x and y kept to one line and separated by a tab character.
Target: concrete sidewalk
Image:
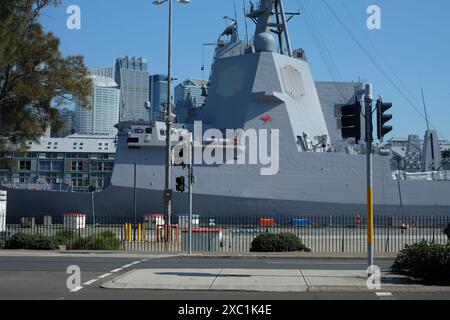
260	280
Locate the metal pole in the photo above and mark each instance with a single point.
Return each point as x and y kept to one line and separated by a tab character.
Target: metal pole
168	189
135	197
191	183
369	143
93	207
286	33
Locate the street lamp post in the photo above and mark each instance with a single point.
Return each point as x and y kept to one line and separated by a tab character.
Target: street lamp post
169	121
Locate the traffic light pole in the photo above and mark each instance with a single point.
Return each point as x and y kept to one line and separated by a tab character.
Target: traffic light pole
369	144
191	184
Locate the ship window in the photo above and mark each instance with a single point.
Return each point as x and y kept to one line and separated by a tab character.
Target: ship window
162	132
148	131
133	140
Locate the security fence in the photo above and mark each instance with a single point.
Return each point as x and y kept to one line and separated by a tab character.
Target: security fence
333	234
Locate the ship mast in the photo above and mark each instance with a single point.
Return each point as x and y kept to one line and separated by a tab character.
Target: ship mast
263	18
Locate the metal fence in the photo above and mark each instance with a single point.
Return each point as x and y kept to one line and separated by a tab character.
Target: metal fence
235	234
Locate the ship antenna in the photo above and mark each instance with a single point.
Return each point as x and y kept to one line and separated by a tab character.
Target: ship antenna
235	11
425	109
245	20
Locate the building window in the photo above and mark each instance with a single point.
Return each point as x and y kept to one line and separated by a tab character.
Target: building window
77	166
77	181
25	165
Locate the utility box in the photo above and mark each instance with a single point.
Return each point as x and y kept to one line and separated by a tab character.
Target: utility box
183	221
75	221
48	221
203	240
3	198
301	222
28	222
152	221
267	222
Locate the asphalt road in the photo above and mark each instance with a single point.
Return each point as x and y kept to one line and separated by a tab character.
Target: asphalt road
44	278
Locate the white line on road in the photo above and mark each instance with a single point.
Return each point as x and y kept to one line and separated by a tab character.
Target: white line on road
116	270
76	289
127	266
88	283
105	275
320	263
384	294
136	262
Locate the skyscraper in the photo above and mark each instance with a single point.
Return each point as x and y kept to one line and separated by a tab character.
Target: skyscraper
101	118
68	118
131	75
158	96
189	95
107	72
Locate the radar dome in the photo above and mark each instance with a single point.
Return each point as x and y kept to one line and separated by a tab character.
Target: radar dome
264	42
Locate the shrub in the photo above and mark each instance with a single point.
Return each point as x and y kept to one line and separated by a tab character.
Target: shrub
31	242
2	244
447	231
427	262
283	242
102	241
66	238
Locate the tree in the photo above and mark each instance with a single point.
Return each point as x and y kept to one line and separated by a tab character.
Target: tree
35	79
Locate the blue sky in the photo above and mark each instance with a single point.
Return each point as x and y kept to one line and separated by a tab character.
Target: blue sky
412	48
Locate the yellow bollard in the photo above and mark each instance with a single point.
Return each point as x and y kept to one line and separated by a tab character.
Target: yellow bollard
125	232
130	232
139	233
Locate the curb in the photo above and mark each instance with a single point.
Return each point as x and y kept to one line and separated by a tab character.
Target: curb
118	254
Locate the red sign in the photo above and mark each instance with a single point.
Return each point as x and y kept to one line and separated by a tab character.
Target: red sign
358	219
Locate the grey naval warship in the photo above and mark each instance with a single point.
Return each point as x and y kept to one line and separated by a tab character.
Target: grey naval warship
259	85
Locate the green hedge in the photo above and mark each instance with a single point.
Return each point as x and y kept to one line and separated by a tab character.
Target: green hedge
447	231
31	242
67	238
428	262
102	241
282	242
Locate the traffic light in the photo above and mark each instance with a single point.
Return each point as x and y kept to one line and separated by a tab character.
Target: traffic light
181	185
383	118
351	121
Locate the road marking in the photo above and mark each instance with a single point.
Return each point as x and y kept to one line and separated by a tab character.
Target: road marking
320	263
136	262
127	266
88	283
105	275
76	289
116	270
384	294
